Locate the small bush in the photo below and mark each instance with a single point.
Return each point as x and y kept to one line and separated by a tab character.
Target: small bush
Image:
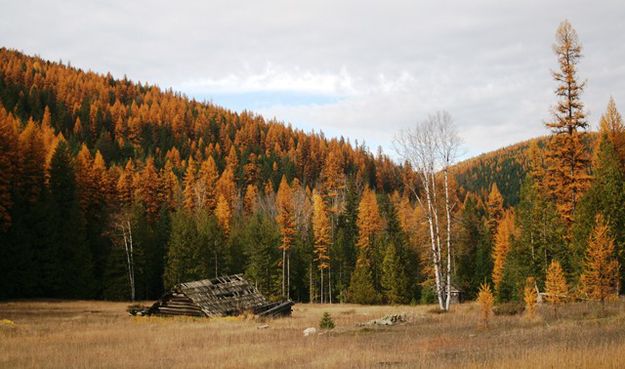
485	299
326	321
509	308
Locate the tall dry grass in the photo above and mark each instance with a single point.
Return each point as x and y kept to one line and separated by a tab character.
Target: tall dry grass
87	334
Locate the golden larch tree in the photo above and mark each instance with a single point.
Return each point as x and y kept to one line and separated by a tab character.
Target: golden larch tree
287	224
8	168
495	208
227	187
600	278
322	238
125	185
223	215
530	297
567	159
148	189
485	300
85	181
188	192
169	190
250	200
612	125
206	185
556	288
369	222
503	241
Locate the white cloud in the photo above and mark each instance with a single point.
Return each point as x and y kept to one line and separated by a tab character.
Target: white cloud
384	65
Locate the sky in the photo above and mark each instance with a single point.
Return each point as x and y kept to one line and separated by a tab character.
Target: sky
361	69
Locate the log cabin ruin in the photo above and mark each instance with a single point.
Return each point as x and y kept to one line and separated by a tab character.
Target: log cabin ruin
218	297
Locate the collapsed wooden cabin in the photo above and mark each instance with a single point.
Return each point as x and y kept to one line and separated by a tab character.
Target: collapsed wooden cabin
222	296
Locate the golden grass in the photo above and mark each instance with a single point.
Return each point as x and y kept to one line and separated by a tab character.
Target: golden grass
90	334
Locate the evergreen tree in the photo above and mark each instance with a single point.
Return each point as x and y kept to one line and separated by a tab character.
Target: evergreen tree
394	281
184	255
69	268
473	255
540	236
361	289
606	196
261	236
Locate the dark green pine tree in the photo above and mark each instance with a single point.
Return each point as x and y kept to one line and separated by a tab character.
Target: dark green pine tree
344	246
540	239
69	267
606	196
396	276
213	247
473	260
394	281
185	260
261	238
361	288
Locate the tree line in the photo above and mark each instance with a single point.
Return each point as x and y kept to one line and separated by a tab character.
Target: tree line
118	190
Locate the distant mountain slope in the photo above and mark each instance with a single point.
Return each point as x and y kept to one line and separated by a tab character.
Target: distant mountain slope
505	166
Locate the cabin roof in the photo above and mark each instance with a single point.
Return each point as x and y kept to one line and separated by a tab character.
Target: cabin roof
221	296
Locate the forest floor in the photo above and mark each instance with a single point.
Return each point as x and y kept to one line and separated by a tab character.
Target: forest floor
95	334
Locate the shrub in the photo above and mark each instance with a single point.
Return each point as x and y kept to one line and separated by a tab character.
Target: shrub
509	308
326	321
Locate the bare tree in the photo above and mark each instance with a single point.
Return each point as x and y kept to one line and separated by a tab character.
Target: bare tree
122	225
431	148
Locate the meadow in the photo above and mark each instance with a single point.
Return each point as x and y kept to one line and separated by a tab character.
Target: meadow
95	334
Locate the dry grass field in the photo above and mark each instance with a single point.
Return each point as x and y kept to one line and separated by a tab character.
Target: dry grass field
88	334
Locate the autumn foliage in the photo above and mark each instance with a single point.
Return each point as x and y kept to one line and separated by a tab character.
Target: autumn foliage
599	280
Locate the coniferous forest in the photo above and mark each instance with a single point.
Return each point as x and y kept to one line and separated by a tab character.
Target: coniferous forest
112	189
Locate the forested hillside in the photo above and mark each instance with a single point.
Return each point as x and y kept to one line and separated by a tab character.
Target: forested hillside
117	190
91	165
506	166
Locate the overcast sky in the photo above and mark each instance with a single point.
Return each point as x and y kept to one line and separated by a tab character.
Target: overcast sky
360	69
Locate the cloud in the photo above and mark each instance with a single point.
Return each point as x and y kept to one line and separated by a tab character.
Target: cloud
360	69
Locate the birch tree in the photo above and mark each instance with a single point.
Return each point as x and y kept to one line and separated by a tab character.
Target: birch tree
431	148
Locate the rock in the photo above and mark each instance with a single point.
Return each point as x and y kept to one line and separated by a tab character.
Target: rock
263	326
309	331
387	320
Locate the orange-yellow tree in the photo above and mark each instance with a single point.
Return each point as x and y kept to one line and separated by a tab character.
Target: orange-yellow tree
8	169
599	280
567	160
495	209
612	124
485	299
556	288
189	185
223	215
369	225
322	238
287	224
530	297
205	189
503	241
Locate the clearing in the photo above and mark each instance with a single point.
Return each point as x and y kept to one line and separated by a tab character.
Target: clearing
96	334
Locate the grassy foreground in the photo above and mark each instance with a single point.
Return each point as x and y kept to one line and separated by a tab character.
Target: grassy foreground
90	334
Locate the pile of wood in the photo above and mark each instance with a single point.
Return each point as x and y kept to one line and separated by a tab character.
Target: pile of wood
222	296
